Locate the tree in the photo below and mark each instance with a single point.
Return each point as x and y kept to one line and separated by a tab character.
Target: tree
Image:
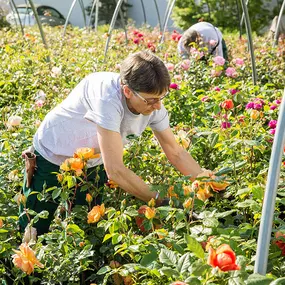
225	14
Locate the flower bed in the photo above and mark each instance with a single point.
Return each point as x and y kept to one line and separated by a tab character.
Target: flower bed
208	233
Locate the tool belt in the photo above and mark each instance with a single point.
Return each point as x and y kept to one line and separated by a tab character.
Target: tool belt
30	166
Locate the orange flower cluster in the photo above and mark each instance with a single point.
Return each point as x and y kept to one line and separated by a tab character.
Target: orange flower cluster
112	184
95	214
78	161
25	259
223	257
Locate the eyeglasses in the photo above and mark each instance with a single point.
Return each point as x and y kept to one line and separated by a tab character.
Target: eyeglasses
150	101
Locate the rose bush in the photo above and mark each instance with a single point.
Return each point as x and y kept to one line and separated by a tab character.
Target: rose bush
216	112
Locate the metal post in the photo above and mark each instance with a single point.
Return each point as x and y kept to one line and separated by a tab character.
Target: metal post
13	6
67	18
276	36
143	9
113	21
265	229
242	19
83	11
250	44
39	24
97	15
166	20
158	16
91	12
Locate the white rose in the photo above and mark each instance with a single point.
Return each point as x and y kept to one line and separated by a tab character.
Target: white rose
30	234
14	121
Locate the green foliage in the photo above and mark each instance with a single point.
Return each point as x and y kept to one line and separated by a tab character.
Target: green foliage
174	244
223	14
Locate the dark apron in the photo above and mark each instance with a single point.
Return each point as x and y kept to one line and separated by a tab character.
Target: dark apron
44	175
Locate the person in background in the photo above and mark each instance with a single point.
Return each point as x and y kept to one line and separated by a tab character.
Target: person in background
202	34
104	111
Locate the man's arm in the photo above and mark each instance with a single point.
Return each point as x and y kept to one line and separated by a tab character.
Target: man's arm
111	147
177	155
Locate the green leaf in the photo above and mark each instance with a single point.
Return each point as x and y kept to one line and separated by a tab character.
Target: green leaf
169	272
256	279
104	270
168	257
194	246
224	214
213	139
193	281
183	263
149	258
279	281
223	171
56	193
211	222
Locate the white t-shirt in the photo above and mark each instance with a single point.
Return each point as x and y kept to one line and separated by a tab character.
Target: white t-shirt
97	99
208	32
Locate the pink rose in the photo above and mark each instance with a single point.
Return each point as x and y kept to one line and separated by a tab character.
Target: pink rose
225	125
178	77
216	88
219	60
173	86
231	72
238	61
169	66
185	64
216	73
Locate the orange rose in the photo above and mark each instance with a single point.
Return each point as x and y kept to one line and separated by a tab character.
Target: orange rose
171	192
279	242
140	219
150	213
228	104
86	153
95	214
88	198
187	190
204	193
75	164
25	259
218	186
187	203
112	184
178	283
223	257
1	223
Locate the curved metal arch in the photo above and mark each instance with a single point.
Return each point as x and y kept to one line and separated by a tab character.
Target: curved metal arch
158	15
242	18
270	194
112	24
94	5
168	13
250	43
143	9
83	11
14	7
39	24
276	36
67	18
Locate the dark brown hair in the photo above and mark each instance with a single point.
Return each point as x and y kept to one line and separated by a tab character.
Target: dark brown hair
145	72
190	36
